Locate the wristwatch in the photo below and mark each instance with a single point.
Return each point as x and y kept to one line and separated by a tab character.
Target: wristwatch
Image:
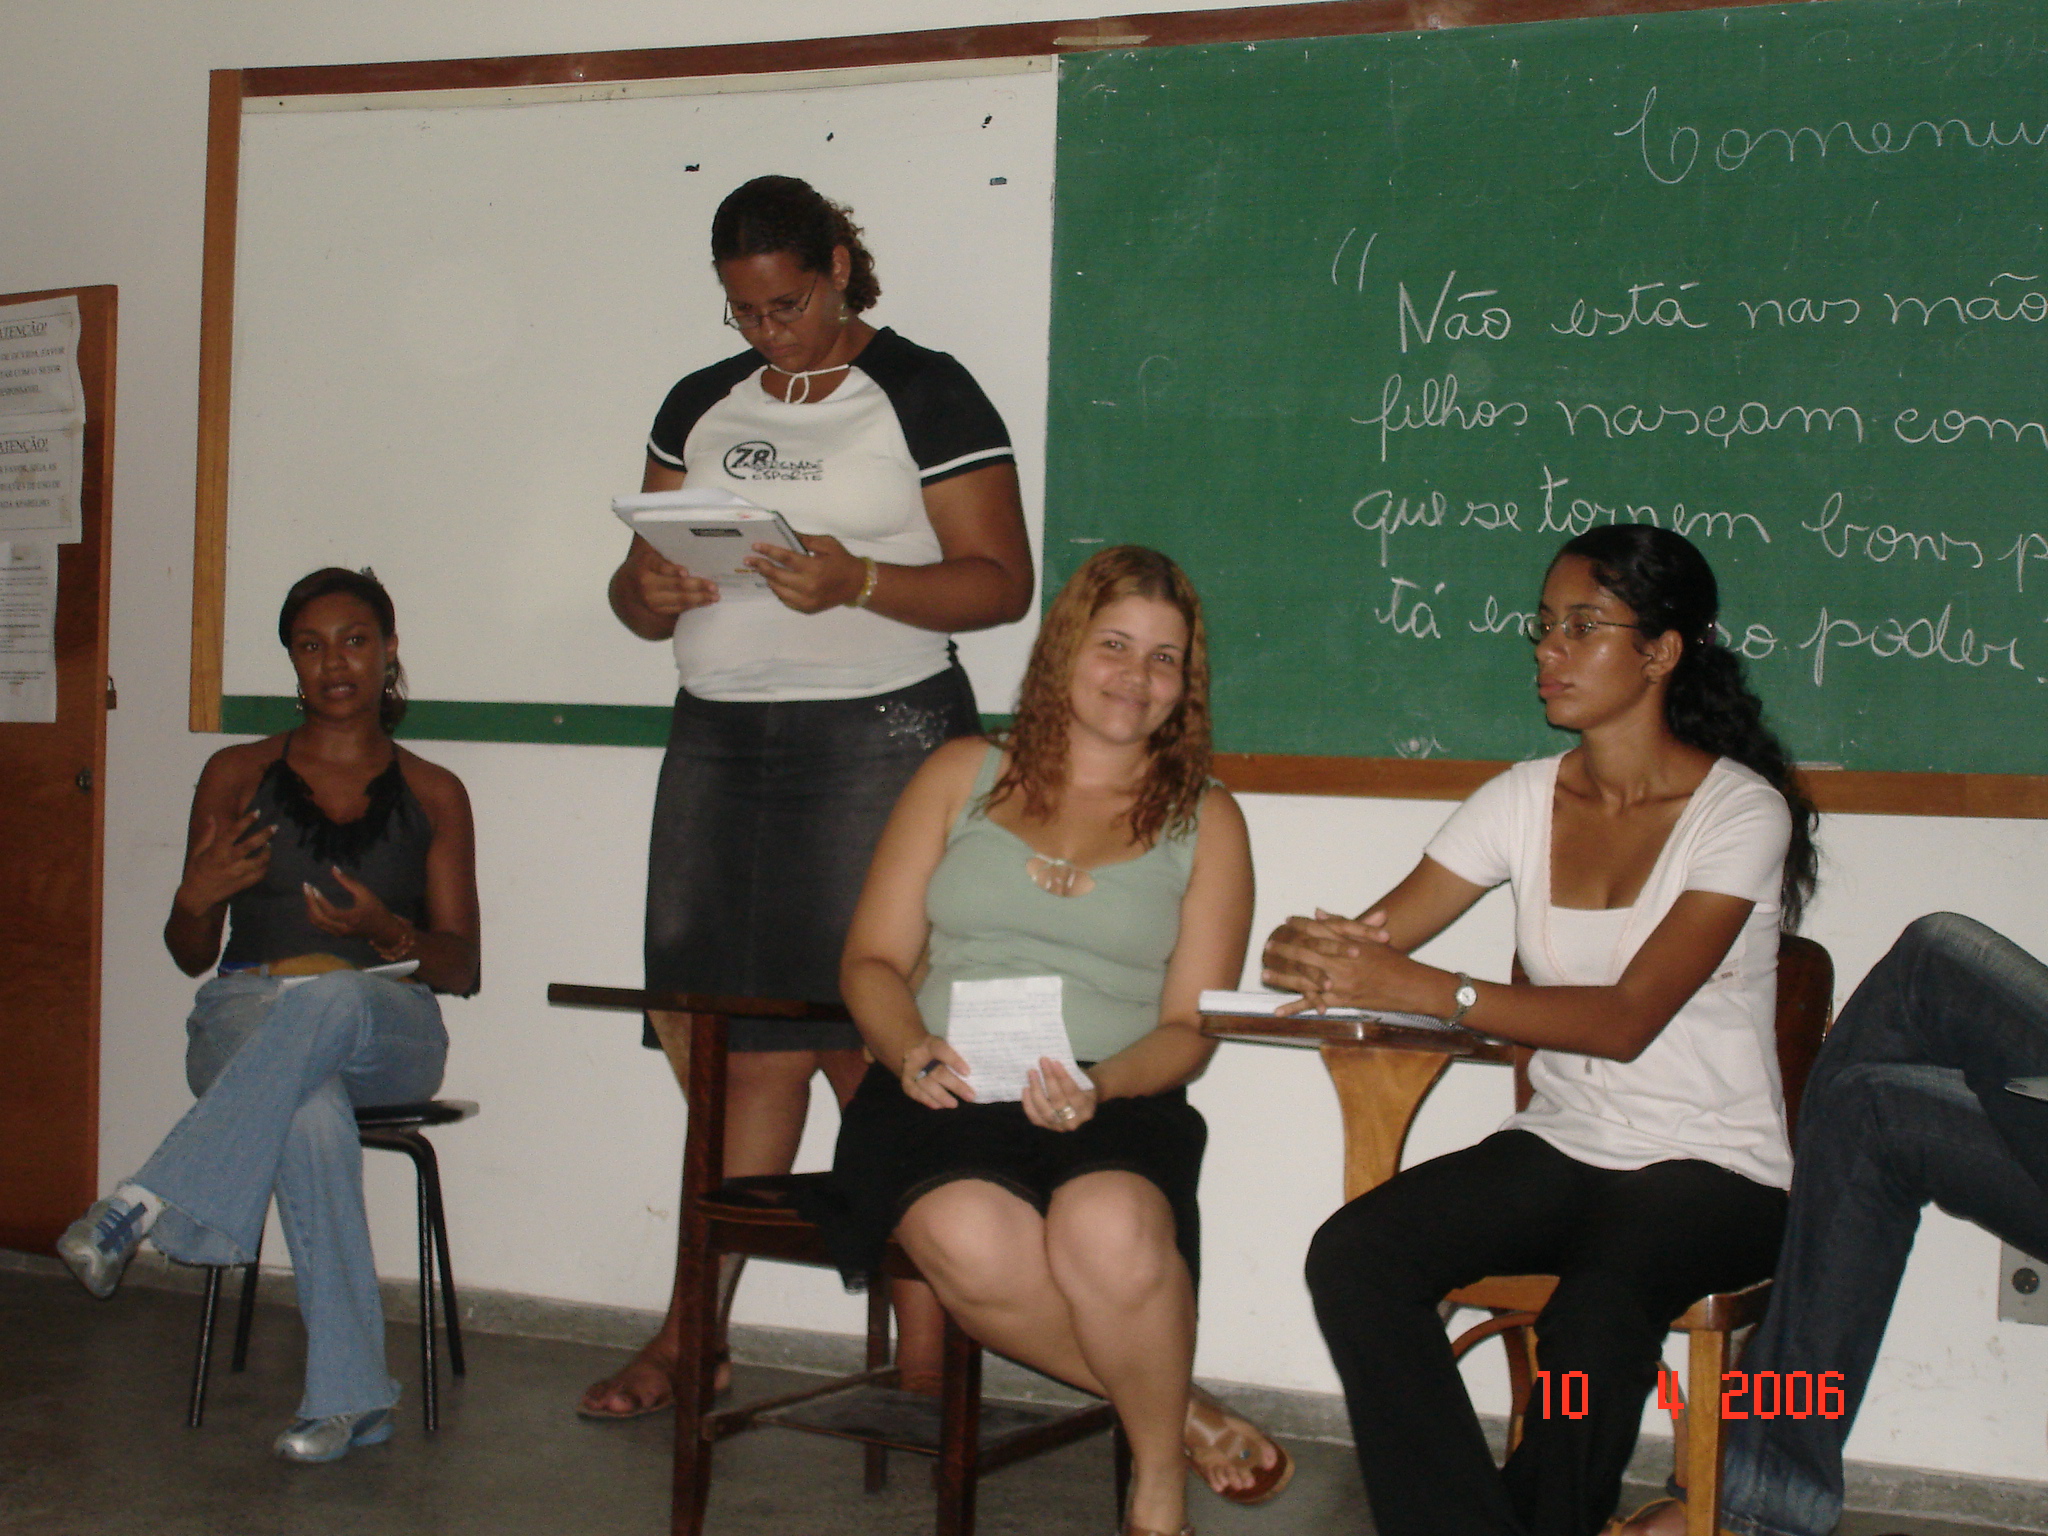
1465	997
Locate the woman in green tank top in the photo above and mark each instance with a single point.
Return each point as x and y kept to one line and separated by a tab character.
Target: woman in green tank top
1089	845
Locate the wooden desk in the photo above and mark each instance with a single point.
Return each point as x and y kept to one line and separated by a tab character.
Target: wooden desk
1382	1073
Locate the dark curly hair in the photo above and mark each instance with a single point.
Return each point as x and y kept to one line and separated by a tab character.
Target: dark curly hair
1177	774
1708	704
774	214
366	589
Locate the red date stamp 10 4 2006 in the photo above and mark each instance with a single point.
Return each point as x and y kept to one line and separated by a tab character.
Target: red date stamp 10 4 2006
1744	1395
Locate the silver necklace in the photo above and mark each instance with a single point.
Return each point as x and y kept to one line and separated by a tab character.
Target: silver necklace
804	378
1059	877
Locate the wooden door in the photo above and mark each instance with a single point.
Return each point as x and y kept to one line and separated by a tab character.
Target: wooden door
51	854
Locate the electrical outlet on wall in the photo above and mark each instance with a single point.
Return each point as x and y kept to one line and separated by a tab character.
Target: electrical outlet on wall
2022	1286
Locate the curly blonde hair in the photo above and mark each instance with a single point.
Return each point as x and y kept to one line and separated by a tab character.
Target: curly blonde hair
1178	770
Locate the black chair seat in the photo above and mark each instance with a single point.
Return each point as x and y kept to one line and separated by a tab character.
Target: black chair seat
395	1117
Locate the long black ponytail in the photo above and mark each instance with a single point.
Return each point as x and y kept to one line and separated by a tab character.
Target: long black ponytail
1708	703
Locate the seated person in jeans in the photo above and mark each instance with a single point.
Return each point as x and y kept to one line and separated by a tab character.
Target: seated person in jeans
1907	1104
325	852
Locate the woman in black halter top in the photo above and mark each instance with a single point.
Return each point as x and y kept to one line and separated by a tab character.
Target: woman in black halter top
343	869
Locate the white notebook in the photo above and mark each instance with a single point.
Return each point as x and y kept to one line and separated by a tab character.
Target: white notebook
708	533
396	969
1265	1004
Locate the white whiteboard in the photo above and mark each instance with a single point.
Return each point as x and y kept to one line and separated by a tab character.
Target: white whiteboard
453	324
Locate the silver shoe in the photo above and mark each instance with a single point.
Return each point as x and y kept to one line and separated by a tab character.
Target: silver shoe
98	1246
332	1438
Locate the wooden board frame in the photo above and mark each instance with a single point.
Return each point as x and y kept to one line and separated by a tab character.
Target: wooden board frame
1908	794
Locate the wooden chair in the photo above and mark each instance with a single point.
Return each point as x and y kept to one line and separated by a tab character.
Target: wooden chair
1806	988
758	1218
393	1128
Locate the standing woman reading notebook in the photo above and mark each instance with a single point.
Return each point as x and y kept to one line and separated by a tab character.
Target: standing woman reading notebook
803	711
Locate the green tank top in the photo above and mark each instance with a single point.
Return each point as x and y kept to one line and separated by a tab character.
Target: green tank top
990	919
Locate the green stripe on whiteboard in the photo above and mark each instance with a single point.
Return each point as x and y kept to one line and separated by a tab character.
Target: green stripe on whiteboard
576	725
580	725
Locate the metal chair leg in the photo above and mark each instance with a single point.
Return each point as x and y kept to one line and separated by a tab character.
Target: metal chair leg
430	1171
433	1253
430	1382
195	1411
245	1314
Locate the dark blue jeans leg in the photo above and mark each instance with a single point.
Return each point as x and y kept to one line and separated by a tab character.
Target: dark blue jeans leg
1897	1114
1953	993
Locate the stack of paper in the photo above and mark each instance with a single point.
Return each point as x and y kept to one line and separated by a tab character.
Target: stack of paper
1002	1026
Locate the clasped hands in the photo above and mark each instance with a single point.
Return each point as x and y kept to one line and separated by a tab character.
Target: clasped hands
1332	961
935	1075
819	576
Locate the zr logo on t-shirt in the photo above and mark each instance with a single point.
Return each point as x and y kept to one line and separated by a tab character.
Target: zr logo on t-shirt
758	461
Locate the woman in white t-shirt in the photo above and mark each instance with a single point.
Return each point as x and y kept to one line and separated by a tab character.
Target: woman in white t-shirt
802	714
1653	866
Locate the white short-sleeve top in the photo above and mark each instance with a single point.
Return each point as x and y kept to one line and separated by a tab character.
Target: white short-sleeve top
854	465
1707	1087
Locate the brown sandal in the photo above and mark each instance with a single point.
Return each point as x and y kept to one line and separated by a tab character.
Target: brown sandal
661	1400
1230	1446
1621	1524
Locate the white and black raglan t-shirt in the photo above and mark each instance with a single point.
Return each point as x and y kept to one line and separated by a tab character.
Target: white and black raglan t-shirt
853	465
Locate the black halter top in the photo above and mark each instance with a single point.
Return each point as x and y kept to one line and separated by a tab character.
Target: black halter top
385	848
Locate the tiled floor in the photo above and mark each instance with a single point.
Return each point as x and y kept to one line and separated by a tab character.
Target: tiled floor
93	1443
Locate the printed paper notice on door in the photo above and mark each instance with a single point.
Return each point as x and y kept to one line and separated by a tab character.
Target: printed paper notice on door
41	460
28	632
42	421
39	358
1002	1027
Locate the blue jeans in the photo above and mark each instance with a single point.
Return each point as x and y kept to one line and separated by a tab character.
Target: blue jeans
278	1072
1906	1105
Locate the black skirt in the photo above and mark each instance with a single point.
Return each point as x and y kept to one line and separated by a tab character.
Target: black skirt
893	1149
765	818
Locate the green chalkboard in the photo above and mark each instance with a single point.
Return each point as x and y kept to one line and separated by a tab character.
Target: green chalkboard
1360	329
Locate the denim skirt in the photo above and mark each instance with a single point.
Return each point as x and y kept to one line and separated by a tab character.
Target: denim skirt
765	818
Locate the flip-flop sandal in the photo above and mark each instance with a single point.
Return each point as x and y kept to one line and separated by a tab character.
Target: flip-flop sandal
662	1403
1621	1523
1212	1421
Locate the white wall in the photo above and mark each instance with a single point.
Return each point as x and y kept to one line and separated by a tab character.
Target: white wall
565	1186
